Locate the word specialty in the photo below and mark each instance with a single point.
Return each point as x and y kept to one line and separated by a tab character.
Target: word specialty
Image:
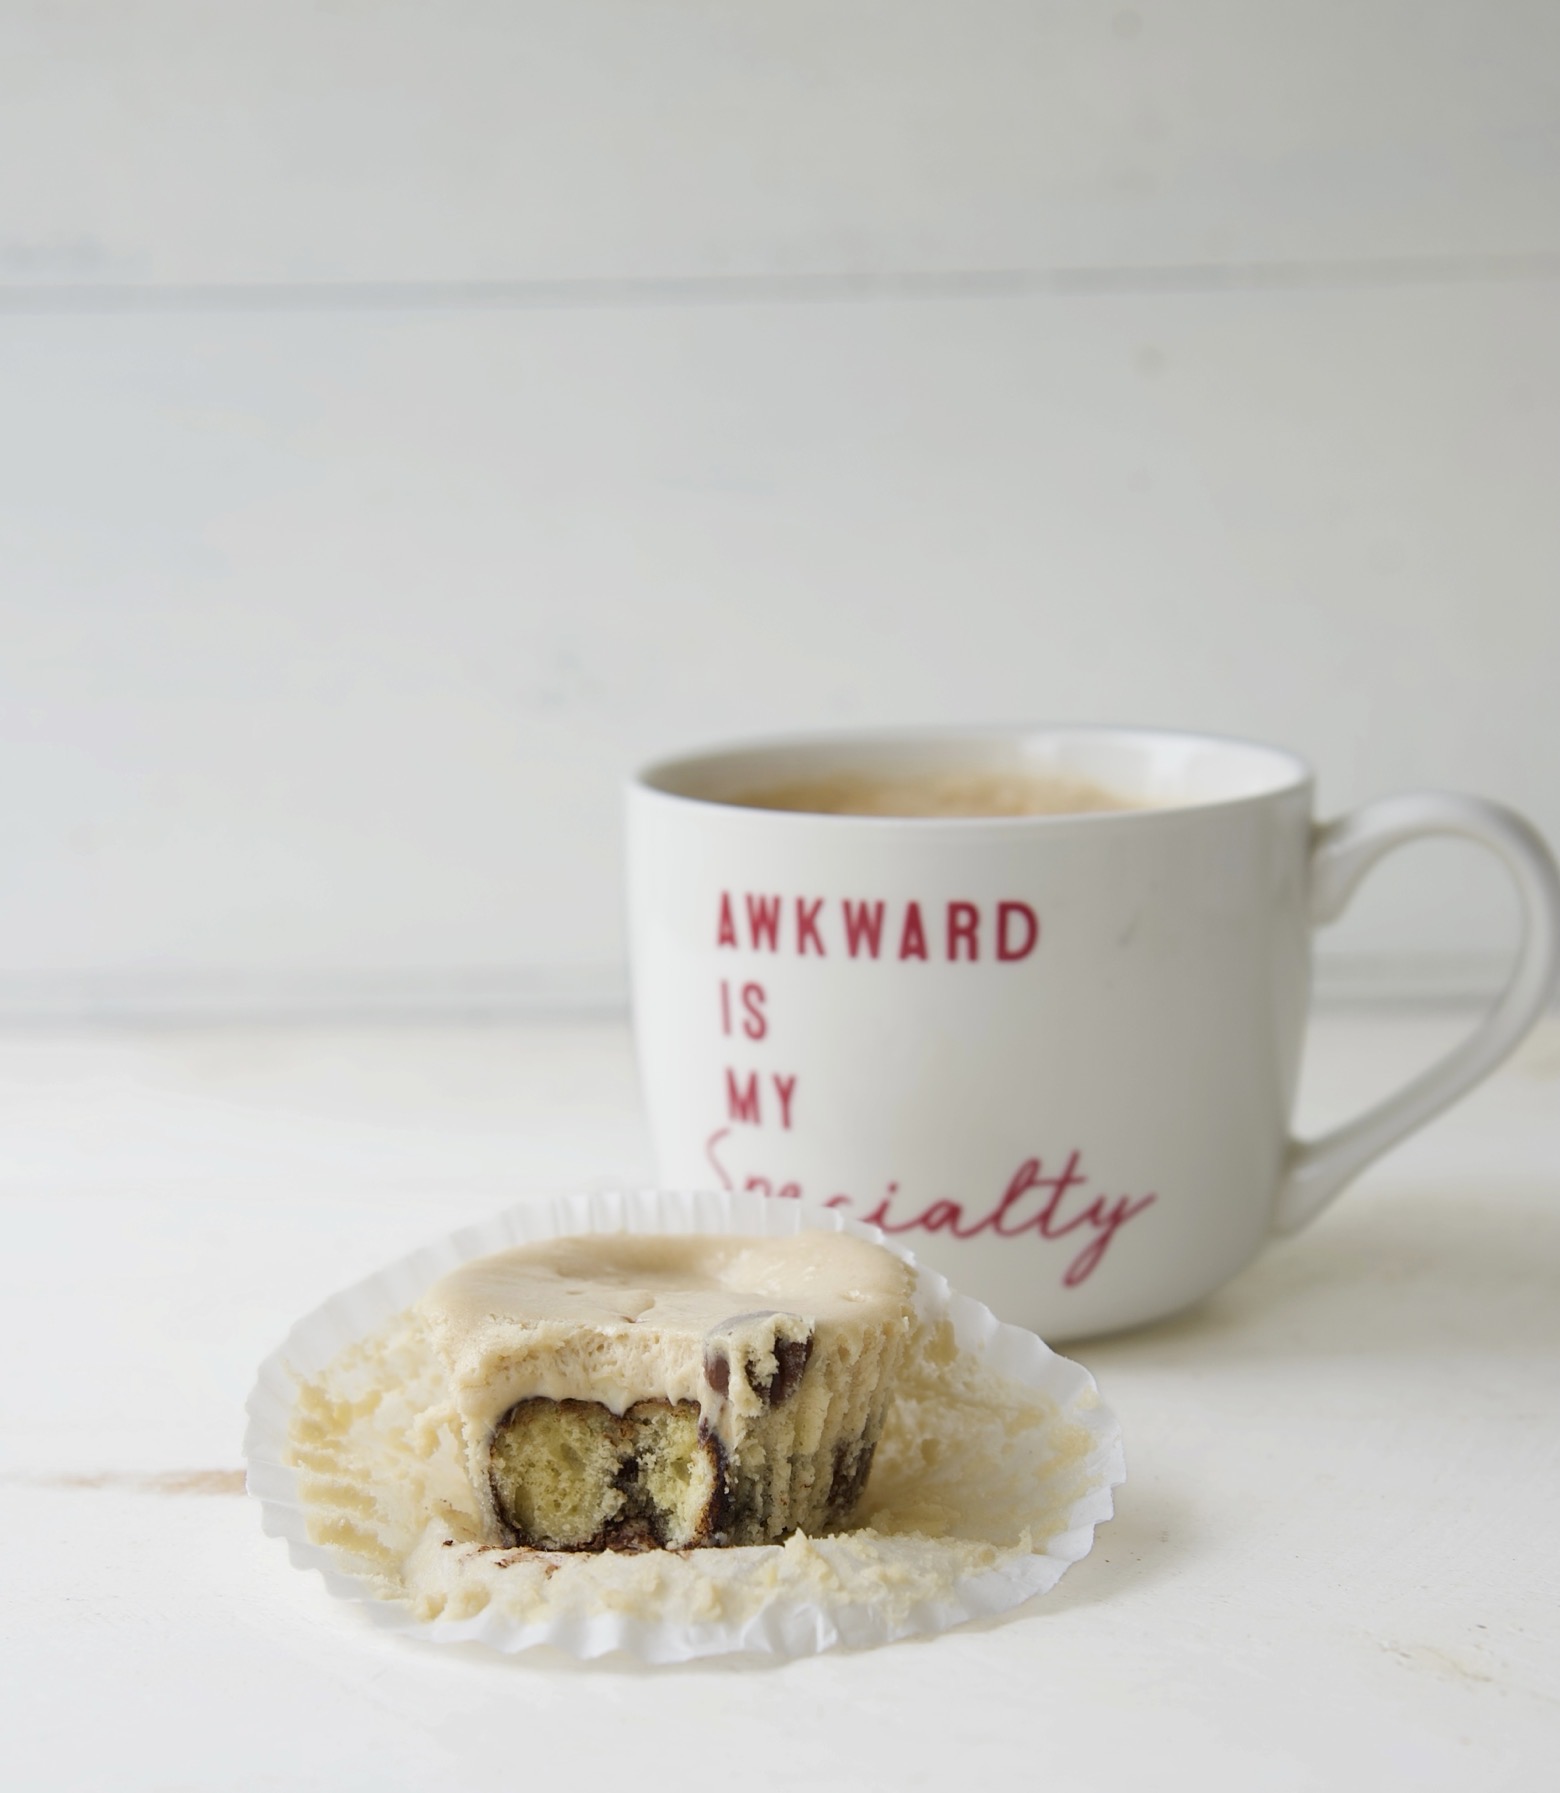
1034	1203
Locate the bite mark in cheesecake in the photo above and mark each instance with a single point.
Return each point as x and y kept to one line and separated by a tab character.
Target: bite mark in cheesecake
609	1397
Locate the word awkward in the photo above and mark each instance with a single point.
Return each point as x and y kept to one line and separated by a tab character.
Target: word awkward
843	928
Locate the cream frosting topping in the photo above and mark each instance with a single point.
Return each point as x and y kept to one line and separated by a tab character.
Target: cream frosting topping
623	1318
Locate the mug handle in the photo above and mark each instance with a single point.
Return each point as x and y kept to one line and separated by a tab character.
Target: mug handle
1341	853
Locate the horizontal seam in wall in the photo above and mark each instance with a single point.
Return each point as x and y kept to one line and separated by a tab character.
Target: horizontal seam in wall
579	993
1359	274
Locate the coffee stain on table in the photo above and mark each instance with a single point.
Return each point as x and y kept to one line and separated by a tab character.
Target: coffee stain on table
1444	1664
167	1481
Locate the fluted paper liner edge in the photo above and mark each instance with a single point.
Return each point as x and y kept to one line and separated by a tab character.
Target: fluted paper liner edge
786	1626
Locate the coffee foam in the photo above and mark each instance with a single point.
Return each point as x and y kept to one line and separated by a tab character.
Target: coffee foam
977	792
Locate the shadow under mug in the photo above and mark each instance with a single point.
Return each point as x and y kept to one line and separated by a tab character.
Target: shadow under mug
1055	1054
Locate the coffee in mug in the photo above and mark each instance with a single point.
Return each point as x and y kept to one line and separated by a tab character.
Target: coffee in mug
975	791
936	982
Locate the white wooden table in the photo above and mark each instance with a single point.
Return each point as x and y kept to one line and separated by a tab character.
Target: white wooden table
1334	1563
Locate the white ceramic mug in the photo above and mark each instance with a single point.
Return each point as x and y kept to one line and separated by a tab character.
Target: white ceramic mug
1056	1055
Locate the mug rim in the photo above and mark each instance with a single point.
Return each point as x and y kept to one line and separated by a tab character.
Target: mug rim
1288	771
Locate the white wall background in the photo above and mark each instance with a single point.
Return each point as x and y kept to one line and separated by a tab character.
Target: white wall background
413	416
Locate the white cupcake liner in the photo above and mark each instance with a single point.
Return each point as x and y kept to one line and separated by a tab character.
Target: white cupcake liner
787	1625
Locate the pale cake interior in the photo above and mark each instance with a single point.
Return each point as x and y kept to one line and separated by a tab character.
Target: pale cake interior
572	1475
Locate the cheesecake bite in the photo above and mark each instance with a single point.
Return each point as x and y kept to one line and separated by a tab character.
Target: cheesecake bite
628	1392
